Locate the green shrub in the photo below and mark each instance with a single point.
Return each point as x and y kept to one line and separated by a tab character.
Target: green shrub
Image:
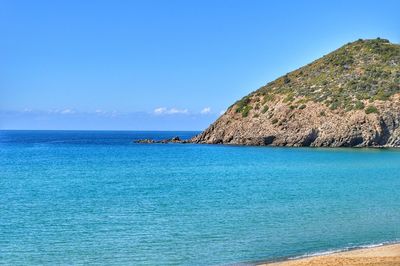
242	104
335	105
274	121
289	98
371	109
301	107
286	79
246	110
382	95
359	105
268	98
265	109
348	107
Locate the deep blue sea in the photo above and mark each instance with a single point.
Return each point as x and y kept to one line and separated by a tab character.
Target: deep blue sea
95	197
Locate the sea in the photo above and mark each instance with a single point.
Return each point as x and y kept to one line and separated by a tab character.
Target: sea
98	198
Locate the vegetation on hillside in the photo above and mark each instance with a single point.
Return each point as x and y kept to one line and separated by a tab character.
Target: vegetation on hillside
350	78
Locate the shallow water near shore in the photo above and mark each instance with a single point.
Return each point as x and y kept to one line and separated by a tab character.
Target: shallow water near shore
95	197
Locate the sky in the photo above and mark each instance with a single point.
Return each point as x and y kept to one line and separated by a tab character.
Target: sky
162	65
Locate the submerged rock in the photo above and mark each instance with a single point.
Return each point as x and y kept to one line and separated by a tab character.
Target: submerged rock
163	141
146	141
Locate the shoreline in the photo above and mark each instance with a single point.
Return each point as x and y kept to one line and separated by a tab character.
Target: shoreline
380	254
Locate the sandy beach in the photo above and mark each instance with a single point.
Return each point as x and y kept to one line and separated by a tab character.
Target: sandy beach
388	255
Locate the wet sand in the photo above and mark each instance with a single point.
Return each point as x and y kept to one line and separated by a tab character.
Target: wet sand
387	255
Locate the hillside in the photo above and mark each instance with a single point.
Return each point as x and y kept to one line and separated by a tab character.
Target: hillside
350	97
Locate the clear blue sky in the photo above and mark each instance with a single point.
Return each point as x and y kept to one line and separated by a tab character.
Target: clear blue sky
162	64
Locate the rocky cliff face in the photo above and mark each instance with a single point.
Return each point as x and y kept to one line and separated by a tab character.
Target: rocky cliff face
348	98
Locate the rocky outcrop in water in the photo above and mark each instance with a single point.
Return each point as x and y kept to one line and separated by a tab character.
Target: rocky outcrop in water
163	141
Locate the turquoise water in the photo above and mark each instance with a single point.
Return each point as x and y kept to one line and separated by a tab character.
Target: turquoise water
70	197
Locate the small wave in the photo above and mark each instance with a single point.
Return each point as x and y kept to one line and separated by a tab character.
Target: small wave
332	251
315	254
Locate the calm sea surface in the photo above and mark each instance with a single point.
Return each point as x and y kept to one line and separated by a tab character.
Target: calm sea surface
95	197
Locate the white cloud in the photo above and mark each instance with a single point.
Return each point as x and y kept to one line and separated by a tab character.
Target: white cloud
177	111
171	111
160	110
206	110
67	111
105	113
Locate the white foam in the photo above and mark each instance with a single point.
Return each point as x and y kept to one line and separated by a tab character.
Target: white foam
332	251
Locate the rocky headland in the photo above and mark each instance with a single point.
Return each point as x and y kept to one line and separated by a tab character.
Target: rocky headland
348	98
